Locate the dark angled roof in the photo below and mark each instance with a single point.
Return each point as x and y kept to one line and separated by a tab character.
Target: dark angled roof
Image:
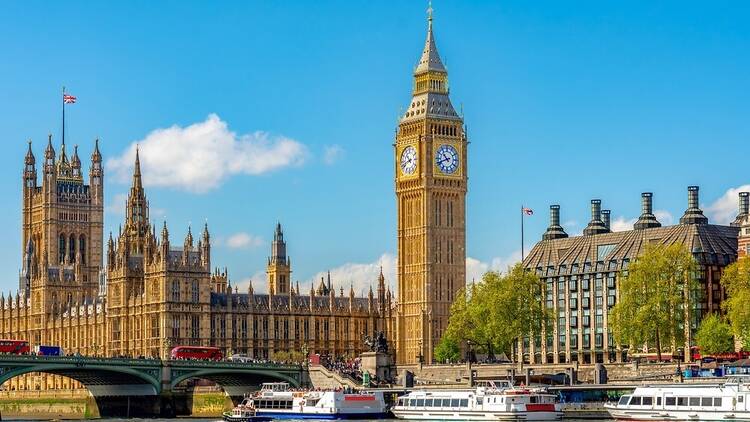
710	244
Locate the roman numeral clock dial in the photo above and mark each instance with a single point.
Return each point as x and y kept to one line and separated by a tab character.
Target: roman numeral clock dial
409	160
446	159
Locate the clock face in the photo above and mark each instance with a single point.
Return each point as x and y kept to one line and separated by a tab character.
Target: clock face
446	158
409	160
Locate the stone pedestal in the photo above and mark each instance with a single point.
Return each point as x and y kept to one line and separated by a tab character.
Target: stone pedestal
377	364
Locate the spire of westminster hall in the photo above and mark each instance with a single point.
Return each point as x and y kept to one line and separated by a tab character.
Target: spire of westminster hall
136	220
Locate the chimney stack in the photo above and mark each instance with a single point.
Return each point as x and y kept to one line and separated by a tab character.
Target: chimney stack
743	211
606	218
596	225
555	230
647	218
693	214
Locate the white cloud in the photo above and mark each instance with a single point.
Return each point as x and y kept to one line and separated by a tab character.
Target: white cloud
199	157
332	153
243	240
259	283
724	209
475	268
359	275
117	206
621	223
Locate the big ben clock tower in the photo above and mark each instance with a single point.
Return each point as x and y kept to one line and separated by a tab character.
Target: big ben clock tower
431	167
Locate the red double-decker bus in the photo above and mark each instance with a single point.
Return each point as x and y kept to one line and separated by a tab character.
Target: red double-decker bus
197	353
721	357
14	347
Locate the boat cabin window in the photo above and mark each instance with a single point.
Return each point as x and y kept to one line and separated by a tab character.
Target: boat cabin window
532	399
717	401
464	402
446	403
740	398
420	402
635	401
624	400
454	402
658	401
412	402
428	403
695	401
648	401
681	401
706	401
479	400
670	401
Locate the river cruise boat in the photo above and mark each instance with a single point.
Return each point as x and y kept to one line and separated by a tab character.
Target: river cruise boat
276	400
493	401
696	402
244	412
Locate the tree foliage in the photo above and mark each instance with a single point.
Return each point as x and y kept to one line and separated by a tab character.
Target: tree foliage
447	351
714	336
736	282
657	293
499	310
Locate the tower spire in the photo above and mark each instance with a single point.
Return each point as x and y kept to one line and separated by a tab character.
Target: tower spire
137	183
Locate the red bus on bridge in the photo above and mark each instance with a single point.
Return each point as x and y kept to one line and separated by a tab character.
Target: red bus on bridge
197	353
14	347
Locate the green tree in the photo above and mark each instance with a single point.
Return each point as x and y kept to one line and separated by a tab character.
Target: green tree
499	310
447	350
736	282
714	336
657	293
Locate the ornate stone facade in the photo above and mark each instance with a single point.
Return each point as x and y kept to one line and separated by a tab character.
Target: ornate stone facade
431	180
151	296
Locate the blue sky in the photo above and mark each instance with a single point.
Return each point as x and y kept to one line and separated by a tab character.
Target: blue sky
286	111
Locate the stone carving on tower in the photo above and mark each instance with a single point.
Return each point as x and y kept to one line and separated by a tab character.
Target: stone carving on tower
431	175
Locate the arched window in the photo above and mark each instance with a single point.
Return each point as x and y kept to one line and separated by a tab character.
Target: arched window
195	291
175	291
82	248
72	248
61	248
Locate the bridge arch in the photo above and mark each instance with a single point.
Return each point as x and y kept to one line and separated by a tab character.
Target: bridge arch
241	376
86	374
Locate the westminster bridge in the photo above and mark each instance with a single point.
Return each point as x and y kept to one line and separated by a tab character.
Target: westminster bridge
148	387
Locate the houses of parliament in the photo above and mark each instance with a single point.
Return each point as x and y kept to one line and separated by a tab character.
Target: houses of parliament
142	291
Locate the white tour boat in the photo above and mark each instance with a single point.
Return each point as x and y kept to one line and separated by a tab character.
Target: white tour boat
244	412
490	402
277	401
686	402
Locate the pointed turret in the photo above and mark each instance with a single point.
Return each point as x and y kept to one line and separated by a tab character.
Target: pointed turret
75	163
137	183
96	174
29	169
189	239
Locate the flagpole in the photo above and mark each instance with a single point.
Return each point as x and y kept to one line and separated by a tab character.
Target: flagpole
63	115
522	215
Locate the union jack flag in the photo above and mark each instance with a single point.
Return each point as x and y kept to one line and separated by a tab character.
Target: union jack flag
69	99
527	211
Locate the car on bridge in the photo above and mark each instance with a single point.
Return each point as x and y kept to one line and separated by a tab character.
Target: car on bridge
240	357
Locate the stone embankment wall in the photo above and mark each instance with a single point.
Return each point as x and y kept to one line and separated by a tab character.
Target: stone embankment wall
63	404
459	374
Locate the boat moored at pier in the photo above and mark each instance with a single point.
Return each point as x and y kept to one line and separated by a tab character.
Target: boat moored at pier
277	401
491	402
692	402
